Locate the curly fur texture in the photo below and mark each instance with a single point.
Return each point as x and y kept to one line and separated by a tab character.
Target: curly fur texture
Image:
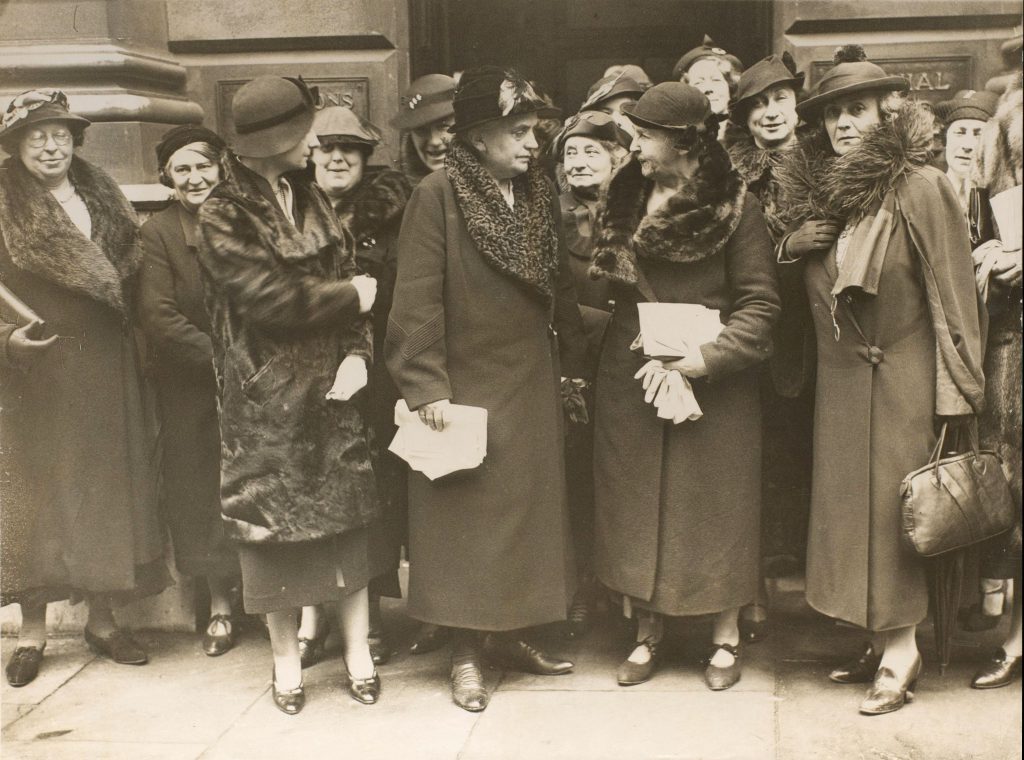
42	240
1000	158
693	224
376	202
520	242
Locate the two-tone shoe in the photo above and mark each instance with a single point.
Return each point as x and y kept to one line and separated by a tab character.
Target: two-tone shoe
632	673
720	678
219	636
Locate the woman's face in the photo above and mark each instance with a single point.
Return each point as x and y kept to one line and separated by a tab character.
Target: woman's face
613	107
772	119
849	119
707	76
46	149
339	167
506	145
431	142
298	155
659	158
192	175
962	145
586	161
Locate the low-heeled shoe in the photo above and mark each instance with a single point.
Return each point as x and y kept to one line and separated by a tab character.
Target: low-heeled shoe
380	647
889	693
632	673
23	667
516	654
430	638
467	682
1001	670
118	646
861	670
719	679
288	701
365	690
216	644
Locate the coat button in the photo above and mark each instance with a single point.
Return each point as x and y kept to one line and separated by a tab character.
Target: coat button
875	355
552	331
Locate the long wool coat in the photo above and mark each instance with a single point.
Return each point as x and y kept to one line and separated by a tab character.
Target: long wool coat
294	466
678	506
878	396
489	546
77	447
180	362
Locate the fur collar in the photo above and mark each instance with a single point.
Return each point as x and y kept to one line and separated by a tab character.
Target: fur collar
692	225
818	184
519	242
1001	160
377	201
42	240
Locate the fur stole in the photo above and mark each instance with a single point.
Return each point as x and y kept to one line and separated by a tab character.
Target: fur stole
42	240
519	242
1000	160
409	161
376	202
818	184
758	167
693	224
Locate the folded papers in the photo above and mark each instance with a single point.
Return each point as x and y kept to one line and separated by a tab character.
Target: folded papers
462	445
675	330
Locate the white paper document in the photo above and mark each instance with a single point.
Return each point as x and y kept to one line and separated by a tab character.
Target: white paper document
676	329
462	445
1006	208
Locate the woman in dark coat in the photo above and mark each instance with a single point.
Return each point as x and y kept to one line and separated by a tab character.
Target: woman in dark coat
180	358
77	448
896	283
678	505
483	292
291	346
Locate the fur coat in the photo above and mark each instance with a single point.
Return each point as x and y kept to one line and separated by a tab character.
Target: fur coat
294	466
77	443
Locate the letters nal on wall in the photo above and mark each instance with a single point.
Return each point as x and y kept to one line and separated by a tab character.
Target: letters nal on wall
931	79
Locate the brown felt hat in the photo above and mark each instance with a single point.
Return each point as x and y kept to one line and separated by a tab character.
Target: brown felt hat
768	72
852	73
428	99
670	105
271	115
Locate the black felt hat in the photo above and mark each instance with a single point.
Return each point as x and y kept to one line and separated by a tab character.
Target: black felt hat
968	104
185	134
852	73
487	93
670	105
707	49
768	72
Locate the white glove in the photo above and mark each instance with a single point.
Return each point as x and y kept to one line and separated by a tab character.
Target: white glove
366	287
350	378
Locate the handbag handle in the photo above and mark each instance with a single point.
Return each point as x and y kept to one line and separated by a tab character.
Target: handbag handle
972	441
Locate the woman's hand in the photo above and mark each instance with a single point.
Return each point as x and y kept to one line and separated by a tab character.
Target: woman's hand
433	414
366	287
691	366
22	346
811	237
1007	268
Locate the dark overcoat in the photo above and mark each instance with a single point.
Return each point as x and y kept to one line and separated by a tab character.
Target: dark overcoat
490	546
294	466
678	506
180	362
77	443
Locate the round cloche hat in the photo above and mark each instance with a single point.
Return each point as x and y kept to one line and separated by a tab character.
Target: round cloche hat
670	105
342	124
851	73
595	125
707	49
768	72
487	93
427	99
968	104
178	137
271	114
35	106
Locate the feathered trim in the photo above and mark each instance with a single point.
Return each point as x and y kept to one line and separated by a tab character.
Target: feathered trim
1000	159
693	224
41	239
376	202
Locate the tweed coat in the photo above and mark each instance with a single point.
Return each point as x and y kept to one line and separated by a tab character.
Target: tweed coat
180	362
77	439
490	546
294	466
678	506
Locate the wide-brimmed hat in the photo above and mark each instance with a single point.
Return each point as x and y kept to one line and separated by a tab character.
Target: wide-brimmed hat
768	72
343	125
185	134
707	49
427	100
271	115
35	106
487	93
595	125
852	73
614	86
670	105
968	104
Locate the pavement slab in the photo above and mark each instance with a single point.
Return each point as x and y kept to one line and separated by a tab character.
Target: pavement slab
63	658
73	750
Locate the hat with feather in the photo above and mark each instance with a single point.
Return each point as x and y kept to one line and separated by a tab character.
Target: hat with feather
487	93
851	73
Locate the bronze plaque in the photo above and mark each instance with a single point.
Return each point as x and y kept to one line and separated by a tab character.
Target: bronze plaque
931	79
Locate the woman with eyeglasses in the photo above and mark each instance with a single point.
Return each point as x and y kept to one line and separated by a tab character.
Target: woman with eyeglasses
76	450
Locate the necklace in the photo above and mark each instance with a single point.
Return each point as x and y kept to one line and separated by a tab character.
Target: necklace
68	197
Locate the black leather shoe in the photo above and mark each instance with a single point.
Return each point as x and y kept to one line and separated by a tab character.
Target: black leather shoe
467	682
288	701
578	621
516	654
889	693
311	651
719	679
23	667
861	670
118	646
216	644
430	638
753	630
1001	670
632	673
364	690
380	648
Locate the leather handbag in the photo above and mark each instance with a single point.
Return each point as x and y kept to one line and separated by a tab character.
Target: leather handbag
956	500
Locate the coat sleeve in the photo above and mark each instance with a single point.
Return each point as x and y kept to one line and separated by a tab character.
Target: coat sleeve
172	334
745	339
572	337
261	288
415	348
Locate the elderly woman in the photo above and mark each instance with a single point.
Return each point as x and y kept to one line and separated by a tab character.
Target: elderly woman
896	317
678	227
79	495
425	119
177	330
714	72
292	342
369	202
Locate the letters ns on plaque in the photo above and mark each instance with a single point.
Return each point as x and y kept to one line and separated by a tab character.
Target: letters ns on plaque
931	79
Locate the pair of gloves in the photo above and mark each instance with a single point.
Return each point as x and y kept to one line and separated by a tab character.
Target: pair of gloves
352	374
669	391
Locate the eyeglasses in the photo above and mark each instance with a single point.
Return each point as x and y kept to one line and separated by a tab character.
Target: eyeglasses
27	102
37	138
